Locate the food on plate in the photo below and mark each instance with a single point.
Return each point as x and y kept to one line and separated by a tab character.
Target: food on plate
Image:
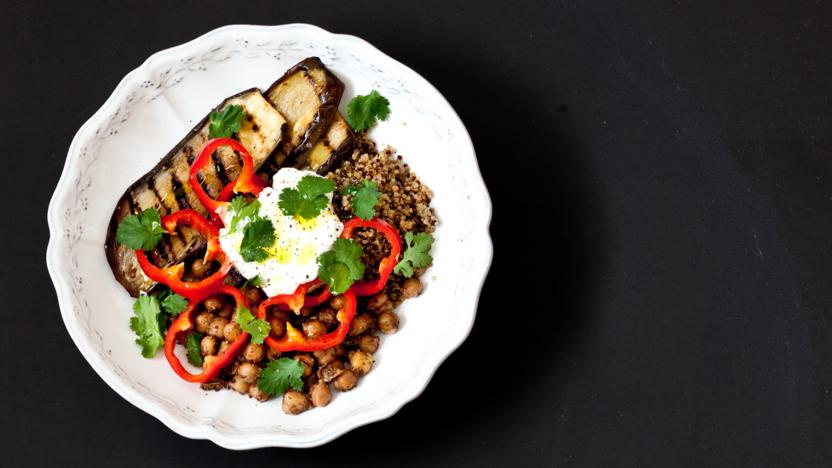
269	250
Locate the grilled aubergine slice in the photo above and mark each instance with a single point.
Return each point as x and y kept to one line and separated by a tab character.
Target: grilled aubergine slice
307	95
166	187
336	143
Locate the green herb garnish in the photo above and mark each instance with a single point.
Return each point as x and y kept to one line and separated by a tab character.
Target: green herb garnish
364	198
363	111
308	199
145	323
280	375
142	231
225	122
340	267
417	254
193	349
258	235
257	328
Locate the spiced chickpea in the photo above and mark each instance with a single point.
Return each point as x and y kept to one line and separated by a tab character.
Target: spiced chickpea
272	354
216	327
331	371
278	327
361	362
223	346
208	345
200	268
368	343
338	302
239	385
411	287
253	352
308	363
226	310
379	303
295	402
213	303
324	356
361	324
202	320
255	392
319	394
327	316
314	328
253	296
346	381
231	331
248	372
388	322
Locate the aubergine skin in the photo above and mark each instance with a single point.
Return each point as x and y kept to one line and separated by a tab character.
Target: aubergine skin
166	187
330	149
307	95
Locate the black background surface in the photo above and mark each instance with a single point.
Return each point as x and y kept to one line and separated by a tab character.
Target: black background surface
661	179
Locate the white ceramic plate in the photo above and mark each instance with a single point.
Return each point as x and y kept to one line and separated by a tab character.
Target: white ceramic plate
150	110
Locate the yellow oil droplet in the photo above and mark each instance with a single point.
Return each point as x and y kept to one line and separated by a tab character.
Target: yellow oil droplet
307	224
306	254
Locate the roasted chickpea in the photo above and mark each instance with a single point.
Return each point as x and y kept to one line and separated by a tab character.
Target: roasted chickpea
361	362
202	320
327	316
388	322
278	314
324	356
253	352
248	372
208	345
200	268
314	328
253	296
240	385
272	354
278	327
231	331
411	287
295	402
361	323
340	350
319	394
213	303
223	346
346	381
215	328
331	371
337	302
255	392
379	303
306	312
368	343
226	310
308	363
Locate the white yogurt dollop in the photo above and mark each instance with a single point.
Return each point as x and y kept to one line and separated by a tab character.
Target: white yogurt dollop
293	258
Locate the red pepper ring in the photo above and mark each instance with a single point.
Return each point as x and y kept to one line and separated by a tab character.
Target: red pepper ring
385	267
308	300
295	340
247	182
212	365
172	276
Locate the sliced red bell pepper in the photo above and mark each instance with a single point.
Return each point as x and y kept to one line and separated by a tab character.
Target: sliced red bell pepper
294	339
172	276
247	182
212	365
385	267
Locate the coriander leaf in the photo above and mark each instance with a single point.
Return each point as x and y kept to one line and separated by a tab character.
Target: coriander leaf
256	282
145	323
362	111
226	122
340	267
279	375
242	209
364	198
308	199
417	254
257	328
173	303
142	231
258	235
194	350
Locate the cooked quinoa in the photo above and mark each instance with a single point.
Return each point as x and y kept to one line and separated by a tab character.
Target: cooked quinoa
404	203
